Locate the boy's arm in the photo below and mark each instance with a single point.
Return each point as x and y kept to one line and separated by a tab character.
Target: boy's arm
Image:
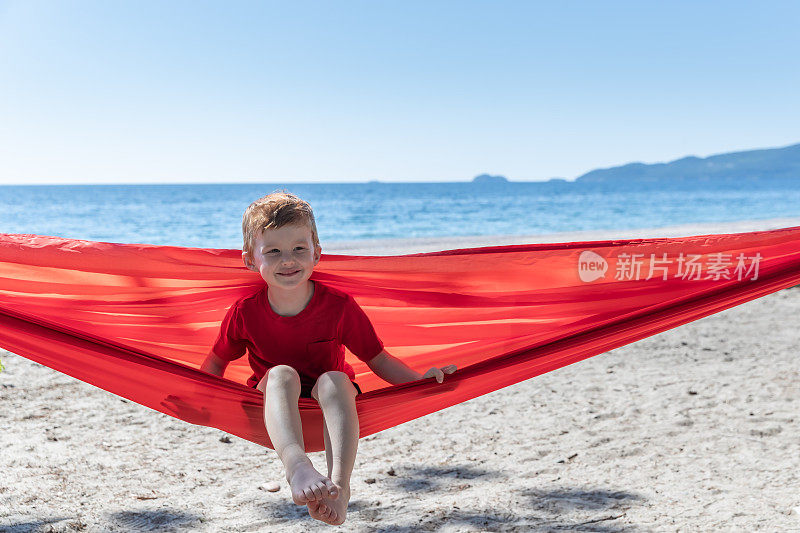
214	365
393	370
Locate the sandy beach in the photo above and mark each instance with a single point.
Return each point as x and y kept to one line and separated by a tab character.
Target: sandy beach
694	429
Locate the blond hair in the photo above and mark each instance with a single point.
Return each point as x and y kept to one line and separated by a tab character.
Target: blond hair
273	211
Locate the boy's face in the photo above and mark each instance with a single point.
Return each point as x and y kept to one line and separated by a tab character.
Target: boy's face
285	257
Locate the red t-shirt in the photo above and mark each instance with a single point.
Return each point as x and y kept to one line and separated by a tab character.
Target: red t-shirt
312	341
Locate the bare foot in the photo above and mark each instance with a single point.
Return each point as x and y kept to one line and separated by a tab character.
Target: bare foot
308	485
331	511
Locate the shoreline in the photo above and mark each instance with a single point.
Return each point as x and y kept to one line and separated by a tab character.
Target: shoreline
410	245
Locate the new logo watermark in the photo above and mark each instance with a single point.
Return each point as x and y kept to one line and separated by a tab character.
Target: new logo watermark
685	266
591	266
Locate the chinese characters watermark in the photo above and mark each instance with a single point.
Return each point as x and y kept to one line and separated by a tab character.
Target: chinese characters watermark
689	266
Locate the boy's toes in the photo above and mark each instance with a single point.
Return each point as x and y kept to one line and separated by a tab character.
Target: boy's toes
332	488
329	515
320	511
318	490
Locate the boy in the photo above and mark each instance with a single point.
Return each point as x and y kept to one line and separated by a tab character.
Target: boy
294	329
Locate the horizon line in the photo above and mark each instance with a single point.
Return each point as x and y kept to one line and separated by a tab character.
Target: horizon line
368	182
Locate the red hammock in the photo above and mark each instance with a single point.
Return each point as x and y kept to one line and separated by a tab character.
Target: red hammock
137	320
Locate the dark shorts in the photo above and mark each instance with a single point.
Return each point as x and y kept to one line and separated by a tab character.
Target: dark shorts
305	390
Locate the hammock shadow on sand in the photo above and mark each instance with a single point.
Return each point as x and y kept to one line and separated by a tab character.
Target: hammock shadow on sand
560	509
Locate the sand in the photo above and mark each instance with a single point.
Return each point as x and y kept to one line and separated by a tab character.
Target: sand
694	429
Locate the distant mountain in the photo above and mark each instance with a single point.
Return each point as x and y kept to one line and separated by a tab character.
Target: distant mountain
487	178
773	164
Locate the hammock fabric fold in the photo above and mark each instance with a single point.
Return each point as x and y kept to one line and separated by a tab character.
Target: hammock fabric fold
137	320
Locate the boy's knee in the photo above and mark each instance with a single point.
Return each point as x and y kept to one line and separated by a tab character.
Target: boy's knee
331	383
279	376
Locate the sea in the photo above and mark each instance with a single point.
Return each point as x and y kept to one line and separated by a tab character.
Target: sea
209	215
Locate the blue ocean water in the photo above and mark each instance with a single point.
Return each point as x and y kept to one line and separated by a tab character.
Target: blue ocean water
209	215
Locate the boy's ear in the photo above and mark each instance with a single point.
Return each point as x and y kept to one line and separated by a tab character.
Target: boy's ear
247	262
317	254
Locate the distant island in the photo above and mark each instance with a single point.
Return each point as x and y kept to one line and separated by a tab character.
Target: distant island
488	178
772	164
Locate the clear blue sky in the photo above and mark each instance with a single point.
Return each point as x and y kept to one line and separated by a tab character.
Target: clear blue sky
124	92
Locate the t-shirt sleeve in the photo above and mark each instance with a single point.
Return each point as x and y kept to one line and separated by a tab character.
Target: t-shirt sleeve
357	332
230	343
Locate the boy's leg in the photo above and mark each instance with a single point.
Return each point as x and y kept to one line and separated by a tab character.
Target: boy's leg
281	388
340	424
336	395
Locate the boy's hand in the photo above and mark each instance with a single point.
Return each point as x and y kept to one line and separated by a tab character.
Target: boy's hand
439	373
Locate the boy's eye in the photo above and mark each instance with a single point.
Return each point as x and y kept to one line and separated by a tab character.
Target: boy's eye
296	248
